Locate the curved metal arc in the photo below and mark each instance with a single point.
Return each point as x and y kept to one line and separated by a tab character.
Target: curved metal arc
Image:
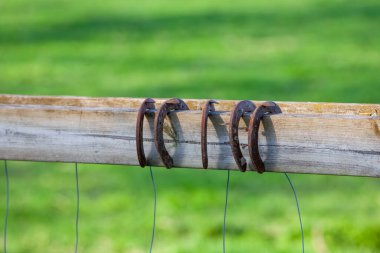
253	132
147	104
236	114
174	104
206	109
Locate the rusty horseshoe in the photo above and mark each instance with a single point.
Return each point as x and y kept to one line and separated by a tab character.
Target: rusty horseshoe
168	106
253	132
147	104
236	114
206	109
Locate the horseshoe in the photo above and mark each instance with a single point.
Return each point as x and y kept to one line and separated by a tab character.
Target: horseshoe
253	132
206	109
173	104
148	104
238	112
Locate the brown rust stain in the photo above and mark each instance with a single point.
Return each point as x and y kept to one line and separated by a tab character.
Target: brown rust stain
375	127
169	130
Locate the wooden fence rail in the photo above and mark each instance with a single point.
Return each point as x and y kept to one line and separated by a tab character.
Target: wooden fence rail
319	138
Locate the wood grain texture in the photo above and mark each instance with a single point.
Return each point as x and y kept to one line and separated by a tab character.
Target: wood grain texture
320	138
194	104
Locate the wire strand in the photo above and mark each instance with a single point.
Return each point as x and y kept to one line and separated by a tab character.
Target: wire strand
154	209
299	211
77	210
6	204
225	212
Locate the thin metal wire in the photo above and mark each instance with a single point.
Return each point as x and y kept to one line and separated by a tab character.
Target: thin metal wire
77	211
299	211
6	205
225	212
154	209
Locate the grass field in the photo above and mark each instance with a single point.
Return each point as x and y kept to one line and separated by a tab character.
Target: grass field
269	50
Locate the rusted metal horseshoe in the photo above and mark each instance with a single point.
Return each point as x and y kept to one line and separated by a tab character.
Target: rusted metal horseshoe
168	106
253	132
238	112
148	104
206	109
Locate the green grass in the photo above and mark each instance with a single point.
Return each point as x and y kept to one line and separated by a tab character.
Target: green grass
267	50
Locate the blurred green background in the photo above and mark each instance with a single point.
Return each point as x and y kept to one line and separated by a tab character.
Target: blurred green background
266	50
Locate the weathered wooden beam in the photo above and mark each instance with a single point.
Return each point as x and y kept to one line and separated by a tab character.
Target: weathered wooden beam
320	138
